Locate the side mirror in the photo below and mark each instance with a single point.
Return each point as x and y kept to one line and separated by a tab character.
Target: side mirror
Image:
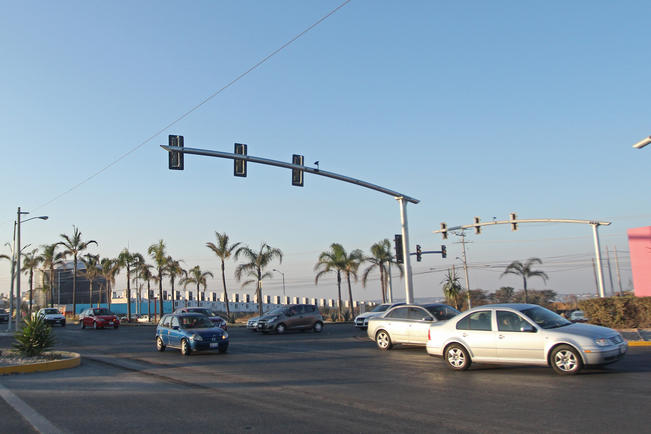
175	327
528	328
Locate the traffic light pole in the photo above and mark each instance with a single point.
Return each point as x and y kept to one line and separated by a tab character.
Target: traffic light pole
401	198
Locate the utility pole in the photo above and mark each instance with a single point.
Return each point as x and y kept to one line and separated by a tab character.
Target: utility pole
610	272
619	276
465	266
596	281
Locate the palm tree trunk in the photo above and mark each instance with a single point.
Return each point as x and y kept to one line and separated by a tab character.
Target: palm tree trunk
160	291
525	288
383	284
74	286
339	292
128	294
51	287
228	311
173	292
148	301
350	296
90	295
259	295
31	279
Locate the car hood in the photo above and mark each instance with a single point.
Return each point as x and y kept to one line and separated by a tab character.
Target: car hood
207	332
53	316
584	330
368	314
106	317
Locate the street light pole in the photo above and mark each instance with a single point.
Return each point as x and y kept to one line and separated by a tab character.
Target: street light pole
282	274
642	143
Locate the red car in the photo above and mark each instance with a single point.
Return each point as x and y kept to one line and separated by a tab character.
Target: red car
98	318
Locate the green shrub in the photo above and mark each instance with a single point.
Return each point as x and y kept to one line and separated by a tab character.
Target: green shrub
34	338
618	312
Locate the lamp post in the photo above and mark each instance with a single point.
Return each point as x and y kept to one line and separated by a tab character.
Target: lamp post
642	143
18	223
283	274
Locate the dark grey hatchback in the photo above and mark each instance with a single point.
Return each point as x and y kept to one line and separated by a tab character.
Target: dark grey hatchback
293	316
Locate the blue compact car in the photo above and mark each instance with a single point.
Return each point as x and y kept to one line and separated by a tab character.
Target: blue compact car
190	332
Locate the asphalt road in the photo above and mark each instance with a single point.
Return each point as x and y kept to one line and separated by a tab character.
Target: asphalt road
336	381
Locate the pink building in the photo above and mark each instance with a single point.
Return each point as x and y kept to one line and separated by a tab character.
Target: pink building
639	243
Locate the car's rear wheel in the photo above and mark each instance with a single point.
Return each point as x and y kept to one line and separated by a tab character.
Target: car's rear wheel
383	340
185	348
565	360
95	325
318	327
280	329
81	324
457	357
160	346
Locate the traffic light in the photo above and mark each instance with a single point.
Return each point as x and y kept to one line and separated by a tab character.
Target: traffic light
444	252
297	174
419	253
397	239
514	225
175	158
239	166
477	227
444	231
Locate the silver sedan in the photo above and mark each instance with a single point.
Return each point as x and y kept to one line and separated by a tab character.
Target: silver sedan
407	324
523	334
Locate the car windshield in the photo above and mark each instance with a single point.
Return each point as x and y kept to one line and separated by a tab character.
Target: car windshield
195	322
381	308
102	311
50	311
199	310
545	319
276	311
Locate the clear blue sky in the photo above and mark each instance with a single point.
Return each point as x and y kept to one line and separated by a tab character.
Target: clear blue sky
475	108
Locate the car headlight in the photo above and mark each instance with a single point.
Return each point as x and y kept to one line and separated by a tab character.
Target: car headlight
196	337
602	342
225	335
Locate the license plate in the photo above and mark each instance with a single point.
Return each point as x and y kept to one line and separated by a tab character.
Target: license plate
214	345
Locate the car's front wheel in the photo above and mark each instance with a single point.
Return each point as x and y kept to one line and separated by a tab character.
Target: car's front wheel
82	324
160	346
95	325
280	329
223	348
318	327
63	324
457	357
383	340
185	347
565	360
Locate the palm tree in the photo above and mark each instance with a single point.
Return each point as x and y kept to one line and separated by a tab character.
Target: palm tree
351	265
74	246
129	261
223	251
174	270
144	272
452	287
381	259
157	253
50	258
331	261
197	277
109	269
92	272
255	268
524	270
30	261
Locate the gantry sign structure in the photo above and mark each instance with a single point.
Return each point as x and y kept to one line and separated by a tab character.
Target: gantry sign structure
513	221
240	159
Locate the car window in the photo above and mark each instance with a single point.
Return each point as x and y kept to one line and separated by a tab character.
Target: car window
195	322
398	313
416	313
381	308
175	322
451	312
309	308
300	310
509	321
476	321
166	321
545	318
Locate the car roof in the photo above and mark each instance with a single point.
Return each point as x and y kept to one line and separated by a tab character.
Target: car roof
514	306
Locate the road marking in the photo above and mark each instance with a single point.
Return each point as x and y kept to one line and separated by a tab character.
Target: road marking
40	423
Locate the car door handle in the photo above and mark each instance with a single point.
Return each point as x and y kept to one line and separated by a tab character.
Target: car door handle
464	334
501	336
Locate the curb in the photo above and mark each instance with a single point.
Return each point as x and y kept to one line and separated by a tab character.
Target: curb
639	343
54	365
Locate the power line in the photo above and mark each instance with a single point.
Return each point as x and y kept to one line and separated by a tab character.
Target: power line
196	107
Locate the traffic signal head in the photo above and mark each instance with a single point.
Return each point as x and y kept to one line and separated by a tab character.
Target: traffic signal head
444	231
175	158
297	174
477	227
397	239
444	251
514	225
239	166
419	253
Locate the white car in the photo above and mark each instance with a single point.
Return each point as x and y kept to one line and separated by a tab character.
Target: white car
143	318
252	323
361	320
51	316
523	334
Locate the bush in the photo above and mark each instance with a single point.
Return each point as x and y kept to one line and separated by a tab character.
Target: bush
34	338
618	312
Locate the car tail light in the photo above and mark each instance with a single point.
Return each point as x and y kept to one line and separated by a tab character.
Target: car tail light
429	336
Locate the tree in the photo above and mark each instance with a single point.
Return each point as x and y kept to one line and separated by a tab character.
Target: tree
197	277
525	271
174	270
73	246
129	261
350	266
157	253
338	261
223	251
452	288
144	272
255	267
92	272
50	258
30	261
504	295
381	259
109	269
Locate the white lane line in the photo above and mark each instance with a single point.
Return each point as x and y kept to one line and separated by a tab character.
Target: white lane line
40	423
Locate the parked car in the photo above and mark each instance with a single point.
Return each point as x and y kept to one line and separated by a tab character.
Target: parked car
98	318
361	320
214	317
144	318
4	315
523	334
51	316
252	323
578	316
407	324
293	316
190	332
